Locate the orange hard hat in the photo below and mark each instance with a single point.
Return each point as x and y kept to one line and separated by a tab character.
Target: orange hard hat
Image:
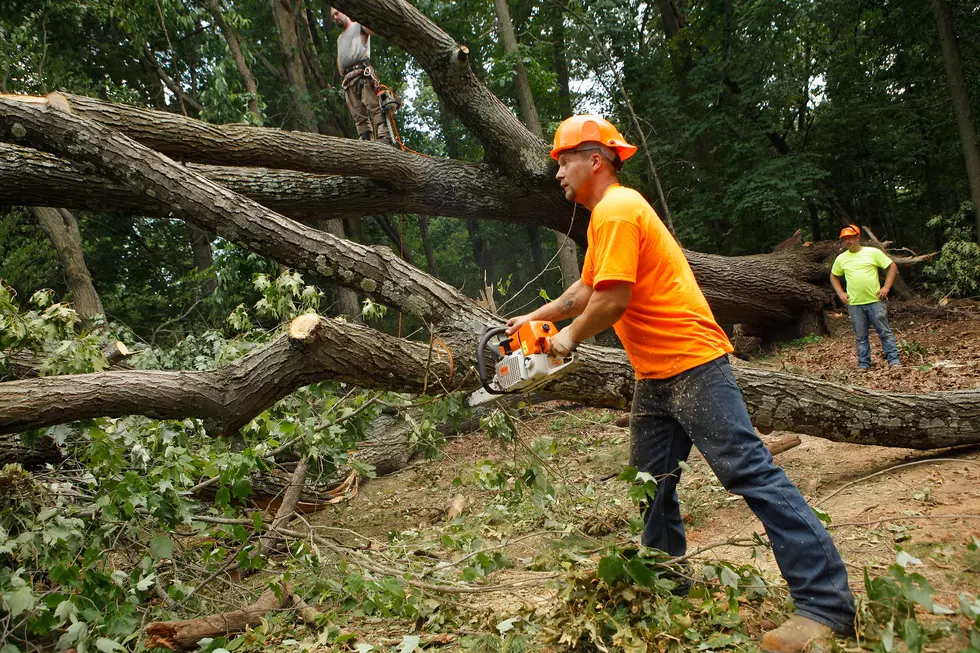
577	130
850	230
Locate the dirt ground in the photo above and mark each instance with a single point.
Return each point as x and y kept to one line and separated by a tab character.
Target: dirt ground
941	351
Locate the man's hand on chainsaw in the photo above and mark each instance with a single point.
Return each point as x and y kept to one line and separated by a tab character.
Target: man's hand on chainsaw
562	345
515	323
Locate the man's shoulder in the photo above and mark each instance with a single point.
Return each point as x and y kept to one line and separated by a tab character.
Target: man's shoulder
620	202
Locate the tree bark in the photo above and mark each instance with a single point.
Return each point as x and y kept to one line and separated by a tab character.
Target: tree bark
200	241
181	635
430	258
303	117
961	101
62	229
422	185
525	99
319	349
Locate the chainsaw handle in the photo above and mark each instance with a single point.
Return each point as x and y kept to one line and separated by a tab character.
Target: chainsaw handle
481	366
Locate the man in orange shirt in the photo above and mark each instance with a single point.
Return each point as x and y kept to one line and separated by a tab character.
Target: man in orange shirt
636	279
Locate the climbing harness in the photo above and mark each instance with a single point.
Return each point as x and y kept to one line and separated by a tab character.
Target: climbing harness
387	99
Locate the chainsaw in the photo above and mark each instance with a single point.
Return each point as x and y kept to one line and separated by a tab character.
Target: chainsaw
524	361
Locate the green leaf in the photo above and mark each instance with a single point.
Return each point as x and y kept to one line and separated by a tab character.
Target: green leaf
242	488
146	583
107	645
821	514
223	496
640	573
161	547
65	611
888	637
729	578
507	624
409	644
628	474
20	600
610	569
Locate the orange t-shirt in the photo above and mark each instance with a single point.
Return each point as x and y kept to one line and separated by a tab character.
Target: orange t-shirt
668	327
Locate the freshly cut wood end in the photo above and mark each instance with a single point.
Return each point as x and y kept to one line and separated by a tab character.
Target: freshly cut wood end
59	101
303	327
29	99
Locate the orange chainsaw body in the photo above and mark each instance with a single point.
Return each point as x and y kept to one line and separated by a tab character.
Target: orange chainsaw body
532	338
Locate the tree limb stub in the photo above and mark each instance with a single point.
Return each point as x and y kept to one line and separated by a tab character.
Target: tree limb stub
182	635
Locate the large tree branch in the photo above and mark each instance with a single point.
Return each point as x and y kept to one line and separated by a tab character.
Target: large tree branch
375	271
439	187
320	349
765	291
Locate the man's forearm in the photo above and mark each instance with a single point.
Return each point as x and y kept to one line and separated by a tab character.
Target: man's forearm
602	312
890	275
571	303
835	284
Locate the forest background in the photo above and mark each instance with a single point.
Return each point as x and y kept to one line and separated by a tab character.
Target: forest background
757	119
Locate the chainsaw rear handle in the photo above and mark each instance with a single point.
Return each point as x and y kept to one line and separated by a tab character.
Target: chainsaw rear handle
481	366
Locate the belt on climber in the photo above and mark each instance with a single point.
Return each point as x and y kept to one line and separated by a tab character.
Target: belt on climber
355	71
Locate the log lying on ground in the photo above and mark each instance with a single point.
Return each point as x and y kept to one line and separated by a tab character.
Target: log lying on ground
183	635
782	444
31	455
320	349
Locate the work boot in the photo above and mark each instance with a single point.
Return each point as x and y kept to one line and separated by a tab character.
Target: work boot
798	634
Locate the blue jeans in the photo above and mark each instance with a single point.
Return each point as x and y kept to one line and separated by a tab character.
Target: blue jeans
863	317
703	406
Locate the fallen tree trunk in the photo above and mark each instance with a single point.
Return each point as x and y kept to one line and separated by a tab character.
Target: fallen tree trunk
320	349
768	291
182	635
604	378
31	455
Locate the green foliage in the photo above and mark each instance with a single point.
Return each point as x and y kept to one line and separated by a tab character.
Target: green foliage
956	273
626	602
48	332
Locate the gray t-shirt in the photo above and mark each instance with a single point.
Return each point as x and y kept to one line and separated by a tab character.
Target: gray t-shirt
350	49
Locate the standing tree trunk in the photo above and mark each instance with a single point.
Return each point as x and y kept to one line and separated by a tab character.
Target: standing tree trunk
305	120
961	101
214	6
62	229
299	92
430	258
567	253
200	241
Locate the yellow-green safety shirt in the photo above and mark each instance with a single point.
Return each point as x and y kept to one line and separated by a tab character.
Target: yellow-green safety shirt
860	272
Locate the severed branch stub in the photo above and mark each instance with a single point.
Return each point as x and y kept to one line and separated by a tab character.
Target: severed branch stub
183	635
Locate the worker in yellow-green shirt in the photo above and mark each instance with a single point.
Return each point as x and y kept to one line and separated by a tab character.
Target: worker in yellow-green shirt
858	266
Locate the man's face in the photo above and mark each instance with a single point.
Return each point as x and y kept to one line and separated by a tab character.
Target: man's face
851	242
339	18
575	173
